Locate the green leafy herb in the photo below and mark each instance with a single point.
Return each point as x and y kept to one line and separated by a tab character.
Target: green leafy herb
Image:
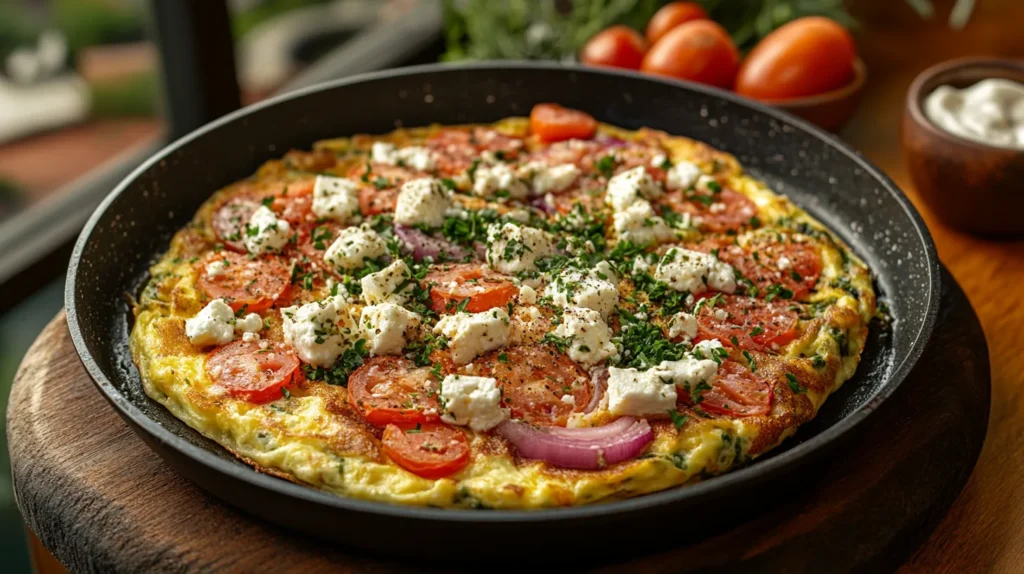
677	419
338	373
794	385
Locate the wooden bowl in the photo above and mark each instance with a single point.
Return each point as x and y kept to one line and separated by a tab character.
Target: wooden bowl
971	186
830	110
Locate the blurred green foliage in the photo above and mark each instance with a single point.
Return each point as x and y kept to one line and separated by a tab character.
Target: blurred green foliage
557	29
242	23
137	95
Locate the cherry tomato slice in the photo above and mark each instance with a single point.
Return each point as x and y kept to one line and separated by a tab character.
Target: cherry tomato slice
552	123
379	191
250	284
251	373
772	261
295	203
456	149
431	451
750	324
230	219
737	391
450	284
534	381
314	239
393	390
718	212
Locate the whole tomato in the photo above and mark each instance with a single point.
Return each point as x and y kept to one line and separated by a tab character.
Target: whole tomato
617	47
805	57
671	15
699	51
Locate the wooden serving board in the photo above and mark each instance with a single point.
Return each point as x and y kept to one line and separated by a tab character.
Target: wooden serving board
101	500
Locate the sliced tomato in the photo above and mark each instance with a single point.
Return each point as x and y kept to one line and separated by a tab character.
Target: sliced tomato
295	202
250	283
534	381
429	450
552	123
737	391
747	323
230	219
380	186
315	160
252	373
450	284
314	239
456	149
718	212
393	390
771	261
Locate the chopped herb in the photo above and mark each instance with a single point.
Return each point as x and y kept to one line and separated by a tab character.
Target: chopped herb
677	419
817	361
381	182
338	373
503	357
606	165
286	393
794	385
750	359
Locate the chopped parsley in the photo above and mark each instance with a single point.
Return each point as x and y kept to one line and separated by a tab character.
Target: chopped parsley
794	385
337	374
677	419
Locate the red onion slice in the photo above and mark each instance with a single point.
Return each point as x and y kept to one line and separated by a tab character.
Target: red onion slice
580	448
422	245
599	378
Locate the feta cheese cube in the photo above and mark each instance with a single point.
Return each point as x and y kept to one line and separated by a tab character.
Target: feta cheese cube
575	288
422	202
687	372
354	246
472	334
634	393
213	325
319	331
641	225
682	325
682	175
251	323
335	198
629	186
471	401
383	286
415	157
498	180
216	268
544	179
693	271
266	232
590	338
527	295
385	327
515	248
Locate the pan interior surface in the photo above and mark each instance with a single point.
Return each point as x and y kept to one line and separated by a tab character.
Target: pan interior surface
134	225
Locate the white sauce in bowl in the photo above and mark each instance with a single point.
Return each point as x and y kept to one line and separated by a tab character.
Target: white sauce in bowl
990	112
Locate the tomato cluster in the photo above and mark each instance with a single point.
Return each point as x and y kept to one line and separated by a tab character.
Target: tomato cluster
807	56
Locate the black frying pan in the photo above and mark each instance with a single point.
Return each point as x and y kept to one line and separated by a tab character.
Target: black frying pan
134	224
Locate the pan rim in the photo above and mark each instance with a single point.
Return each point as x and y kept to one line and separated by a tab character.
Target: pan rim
712	488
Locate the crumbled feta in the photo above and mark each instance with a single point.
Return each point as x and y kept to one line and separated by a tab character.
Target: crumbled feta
682	175
216	268
500	180
721	314
569	399
634	393
422	201
266	232
416	157
251	323
682	325
383	286
385	327
335	198
575	288
783	263
687	372
641	225
544	179
213	325
319	331
693	271
472	334
250	337
515	248
354	246
707	348
527	295
590	338
659	160
471	401
629	186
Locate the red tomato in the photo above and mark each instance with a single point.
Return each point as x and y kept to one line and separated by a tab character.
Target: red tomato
393	390
457	148
230	219
379	191
534	379
252	284
672	15
450	284
738	392
315	237
430	451
616	47
805	57
699	51
296	202
749	324
552	123
251	373
772	261
718	212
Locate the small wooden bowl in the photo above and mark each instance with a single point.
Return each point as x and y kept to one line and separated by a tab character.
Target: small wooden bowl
971	186
830	110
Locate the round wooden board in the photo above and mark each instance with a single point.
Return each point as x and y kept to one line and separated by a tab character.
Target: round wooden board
102	501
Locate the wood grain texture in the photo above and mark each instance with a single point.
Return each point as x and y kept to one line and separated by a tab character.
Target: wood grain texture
102	501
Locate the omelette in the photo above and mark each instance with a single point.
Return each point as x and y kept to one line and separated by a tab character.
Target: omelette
540	312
